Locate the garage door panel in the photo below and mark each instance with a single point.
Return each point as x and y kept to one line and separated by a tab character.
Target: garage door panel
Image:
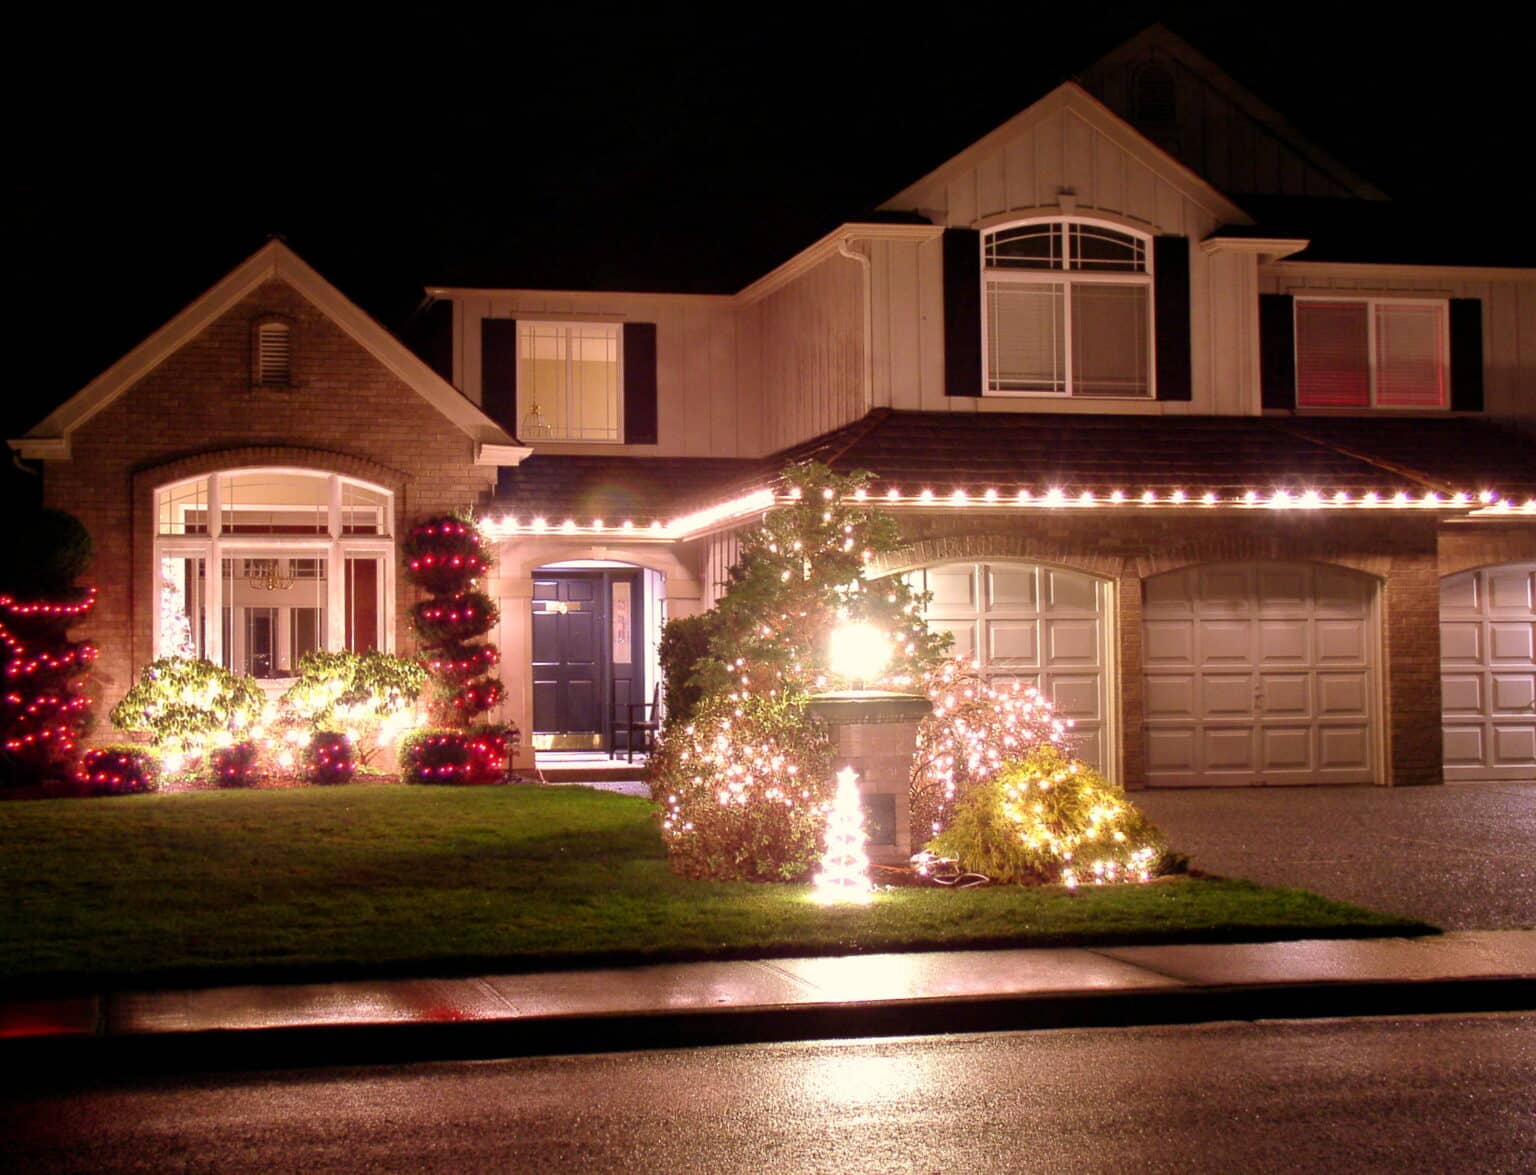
1224	591
1072	642
1013	587
1461	693
1514	745
1076	698
1343	695
1088	744
1510	641
1280	670
1171	696
1464	746
1012	643
1509	592
1340	642
1225	642
964	646
1070	592
1285	748
1461	641
1344	748
1228	749
1287	695
952	587
1514	693
1338	594
1169	595
1284	641
1282	590
1169	642
1488	671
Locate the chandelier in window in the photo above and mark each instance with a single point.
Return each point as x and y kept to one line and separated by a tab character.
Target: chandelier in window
534	427
262	576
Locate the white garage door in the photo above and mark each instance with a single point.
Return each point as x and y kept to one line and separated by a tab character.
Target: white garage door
1488	672
1038	625
1259	673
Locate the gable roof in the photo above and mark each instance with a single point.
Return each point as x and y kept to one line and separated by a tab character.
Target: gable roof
1072	98
50	437
1159	39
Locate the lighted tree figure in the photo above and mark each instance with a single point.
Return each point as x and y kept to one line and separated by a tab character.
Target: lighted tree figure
844	875
446	556
44	711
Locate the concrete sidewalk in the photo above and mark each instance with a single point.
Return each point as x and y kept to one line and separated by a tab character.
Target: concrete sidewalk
769	999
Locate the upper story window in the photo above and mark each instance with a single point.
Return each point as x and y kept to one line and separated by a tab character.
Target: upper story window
1068	310
1372	353
274	354
568	381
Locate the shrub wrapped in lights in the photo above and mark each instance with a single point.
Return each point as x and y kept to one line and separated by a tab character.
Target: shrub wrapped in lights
188	706
974	729
1046	818
445	756
446	556
367	695
118	770
237	765
745	789
328	758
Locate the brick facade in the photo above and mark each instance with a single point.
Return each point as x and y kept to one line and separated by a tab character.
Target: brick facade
199	410
1128	547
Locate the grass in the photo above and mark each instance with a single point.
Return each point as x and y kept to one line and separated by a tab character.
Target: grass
329	882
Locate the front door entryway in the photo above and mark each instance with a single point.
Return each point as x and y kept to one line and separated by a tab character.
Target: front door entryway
588	663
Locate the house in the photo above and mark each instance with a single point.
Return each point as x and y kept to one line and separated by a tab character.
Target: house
1176	425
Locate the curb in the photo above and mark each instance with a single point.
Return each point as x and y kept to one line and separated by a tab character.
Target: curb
27	1060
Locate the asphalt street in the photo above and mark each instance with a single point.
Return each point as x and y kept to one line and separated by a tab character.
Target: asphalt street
1412	1094
1461	857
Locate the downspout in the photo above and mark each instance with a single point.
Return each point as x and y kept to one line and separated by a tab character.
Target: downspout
869	318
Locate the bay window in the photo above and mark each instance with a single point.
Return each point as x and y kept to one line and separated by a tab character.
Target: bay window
255	568
1068	310
1372	353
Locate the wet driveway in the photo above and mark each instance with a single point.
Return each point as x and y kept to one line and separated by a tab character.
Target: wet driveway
1462	856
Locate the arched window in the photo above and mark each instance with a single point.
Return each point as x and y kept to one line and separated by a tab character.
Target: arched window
256	567
1068	309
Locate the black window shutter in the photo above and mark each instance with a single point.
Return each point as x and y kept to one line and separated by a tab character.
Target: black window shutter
962	312
1467	354
1170	278
1277	351
640	383
498	371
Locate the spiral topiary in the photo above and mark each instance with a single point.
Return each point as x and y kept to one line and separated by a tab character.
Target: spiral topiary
445	556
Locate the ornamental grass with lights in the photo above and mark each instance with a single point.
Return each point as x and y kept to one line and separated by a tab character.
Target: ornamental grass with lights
1046	818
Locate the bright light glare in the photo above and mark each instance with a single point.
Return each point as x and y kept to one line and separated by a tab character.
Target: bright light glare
859	652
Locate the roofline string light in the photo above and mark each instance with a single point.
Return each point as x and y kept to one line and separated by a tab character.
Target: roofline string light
699	522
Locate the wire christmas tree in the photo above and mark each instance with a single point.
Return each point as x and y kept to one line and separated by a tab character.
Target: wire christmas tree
844	875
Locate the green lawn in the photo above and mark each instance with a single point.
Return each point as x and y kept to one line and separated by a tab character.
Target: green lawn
220	886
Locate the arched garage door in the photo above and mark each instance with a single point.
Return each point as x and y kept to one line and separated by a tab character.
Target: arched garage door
1259	673
1488	672
1043	626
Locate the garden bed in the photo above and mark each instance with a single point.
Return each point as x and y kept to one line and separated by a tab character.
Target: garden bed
219	887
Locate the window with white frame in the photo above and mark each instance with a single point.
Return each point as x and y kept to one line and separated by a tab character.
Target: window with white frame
1068	309
569	381
1372	352
300	561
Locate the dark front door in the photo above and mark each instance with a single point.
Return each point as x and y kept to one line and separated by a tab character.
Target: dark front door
586	645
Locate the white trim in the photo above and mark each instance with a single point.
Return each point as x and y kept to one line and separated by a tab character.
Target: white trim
273	260
1397	273
1267	249
508	455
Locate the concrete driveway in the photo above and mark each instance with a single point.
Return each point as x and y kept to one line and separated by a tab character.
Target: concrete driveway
1462	856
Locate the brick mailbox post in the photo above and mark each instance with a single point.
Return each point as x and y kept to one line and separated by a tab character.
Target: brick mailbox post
875	733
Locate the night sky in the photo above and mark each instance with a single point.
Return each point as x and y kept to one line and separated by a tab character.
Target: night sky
660	153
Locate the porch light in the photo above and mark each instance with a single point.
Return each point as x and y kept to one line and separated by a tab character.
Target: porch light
859	652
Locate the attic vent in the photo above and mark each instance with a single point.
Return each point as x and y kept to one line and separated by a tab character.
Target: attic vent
274	355
1155	103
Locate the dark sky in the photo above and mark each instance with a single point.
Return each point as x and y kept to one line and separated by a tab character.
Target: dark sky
665	151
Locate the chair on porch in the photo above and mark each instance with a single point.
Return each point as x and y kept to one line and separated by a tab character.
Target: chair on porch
639	718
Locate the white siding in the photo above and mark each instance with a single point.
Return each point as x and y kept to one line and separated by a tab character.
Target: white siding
720	553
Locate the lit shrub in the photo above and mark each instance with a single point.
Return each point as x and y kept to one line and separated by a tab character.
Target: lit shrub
118	770
744	789
238	765
440	755
1048	818
328	758
183	703
370	695
975	728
